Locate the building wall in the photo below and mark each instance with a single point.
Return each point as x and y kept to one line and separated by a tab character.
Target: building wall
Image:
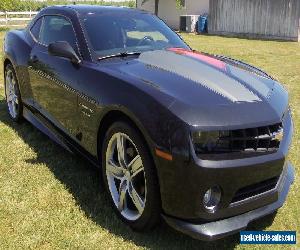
197	7
275	19
168	11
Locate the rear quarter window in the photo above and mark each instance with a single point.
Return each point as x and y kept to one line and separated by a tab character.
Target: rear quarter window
36	28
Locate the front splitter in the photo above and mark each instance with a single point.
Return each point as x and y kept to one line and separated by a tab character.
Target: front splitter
222	228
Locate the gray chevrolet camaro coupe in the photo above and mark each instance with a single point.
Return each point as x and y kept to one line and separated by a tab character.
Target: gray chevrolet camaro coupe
196	139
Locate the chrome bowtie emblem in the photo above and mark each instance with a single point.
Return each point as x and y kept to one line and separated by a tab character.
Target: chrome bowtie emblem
278	135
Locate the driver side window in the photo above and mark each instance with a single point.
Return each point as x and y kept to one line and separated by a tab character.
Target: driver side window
57	28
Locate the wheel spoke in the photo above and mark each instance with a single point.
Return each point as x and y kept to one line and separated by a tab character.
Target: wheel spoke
16	99
10	81
14	109
136	165
136	199
9	97
13	82
114	170
121	150
8	84
122	194
7	80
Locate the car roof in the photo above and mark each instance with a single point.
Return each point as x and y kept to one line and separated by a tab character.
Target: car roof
85	8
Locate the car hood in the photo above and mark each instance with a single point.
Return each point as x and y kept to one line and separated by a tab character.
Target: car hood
208	91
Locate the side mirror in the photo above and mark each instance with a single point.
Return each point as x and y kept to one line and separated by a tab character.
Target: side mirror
63	49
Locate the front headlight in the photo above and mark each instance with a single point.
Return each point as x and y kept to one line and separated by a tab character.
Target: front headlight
211	141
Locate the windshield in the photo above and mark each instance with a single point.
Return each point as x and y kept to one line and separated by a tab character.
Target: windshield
118	32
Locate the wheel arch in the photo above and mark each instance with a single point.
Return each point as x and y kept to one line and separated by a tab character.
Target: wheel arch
115	115
9	61
6	62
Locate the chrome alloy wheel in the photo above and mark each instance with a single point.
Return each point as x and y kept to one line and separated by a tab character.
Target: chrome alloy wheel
125	176
11	93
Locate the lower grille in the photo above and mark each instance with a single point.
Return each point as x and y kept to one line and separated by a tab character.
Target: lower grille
255	189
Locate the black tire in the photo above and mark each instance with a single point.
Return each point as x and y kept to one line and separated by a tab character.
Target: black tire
150	216
19	107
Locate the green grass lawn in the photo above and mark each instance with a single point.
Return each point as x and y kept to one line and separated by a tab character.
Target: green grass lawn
50	199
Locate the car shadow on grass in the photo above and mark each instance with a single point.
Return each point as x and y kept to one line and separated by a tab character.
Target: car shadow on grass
82	181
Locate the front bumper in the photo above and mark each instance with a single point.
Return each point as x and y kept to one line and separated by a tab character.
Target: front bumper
221	228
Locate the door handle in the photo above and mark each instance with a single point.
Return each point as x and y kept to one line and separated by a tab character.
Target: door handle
34	59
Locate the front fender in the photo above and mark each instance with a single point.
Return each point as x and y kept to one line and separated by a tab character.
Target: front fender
17	50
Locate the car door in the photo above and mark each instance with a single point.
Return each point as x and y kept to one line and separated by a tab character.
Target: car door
54	79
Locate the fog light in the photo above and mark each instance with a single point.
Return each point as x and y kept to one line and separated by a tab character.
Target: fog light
212	199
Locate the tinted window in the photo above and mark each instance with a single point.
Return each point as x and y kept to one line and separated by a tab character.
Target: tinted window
118	32
35	29
57	28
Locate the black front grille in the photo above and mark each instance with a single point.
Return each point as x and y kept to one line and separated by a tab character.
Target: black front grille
259	138
241	143
255	189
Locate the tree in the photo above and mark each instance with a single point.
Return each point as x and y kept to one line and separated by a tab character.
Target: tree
6	5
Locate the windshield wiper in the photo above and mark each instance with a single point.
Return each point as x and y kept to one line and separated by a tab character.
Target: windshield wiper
122	54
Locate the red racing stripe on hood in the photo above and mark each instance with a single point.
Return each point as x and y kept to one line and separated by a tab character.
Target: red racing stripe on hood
207	59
